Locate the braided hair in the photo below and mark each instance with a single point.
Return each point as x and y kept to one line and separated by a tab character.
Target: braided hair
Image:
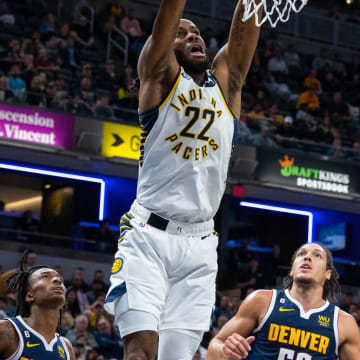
18	284
332	286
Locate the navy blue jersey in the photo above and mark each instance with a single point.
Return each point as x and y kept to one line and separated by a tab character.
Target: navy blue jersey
287	332
33	346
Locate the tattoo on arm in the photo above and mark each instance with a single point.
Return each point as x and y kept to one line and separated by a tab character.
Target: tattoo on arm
238	26
8	336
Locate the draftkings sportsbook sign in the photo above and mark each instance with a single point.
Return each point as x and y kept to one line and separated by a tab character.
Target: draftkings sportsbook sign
309	174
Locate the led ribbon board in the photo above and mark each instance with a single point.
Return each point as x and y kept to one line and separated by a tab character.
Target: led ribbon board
72	176
283	210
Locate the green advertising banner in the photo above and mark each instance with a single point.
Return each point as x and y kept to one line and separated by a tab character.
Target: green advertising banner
280	167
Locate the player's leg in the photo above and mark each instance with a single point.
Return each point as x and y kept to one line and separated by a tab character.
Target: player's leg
190	300
178	344
138	289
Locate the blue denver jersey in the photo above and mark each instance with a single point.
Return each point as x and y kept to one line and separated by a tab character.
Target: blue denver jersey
287	332
33	346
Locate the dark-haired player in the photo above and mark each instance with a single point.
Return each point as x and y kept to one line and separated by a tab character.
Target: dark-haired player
298	323
163	277
31	335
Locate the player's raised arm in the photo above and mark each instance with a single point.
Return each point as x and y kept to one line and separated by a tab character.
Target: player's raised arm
233	340
158	52
349	337
233	61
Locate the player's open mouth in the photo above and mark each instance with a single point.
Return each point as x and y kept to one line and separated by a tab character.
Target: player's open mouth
58	289
305	267
197	51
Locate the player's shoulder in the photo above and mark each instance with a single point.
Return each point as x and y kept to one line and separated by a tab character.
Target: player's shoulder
69	347
347	326
6	327
258	301
8	338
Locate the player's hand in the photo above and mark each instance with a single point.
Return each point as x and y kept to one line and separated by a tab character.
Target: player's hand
237	347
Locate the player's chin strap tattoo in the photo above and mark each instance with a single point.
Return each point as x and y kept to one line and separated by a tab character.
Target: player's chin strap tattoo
18	285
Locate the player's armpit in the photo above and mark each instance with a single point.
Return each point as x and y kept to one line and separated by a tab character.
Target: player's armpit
349	337
158	50
248	317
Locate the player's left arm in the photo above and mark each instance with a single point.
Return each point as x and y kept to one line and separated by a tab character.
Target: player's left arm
69	348
349	337
233	61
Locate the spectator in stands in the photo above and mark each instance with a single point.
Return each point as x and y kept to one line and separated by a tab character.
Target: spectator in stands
78	280
337	107
262	98
337	152
28	71
224	308
2	207
310	99
97	290
117	10
79	350
14	53
110	79
354	311
72	303
64	34
269	265
292	60
61	95
99	275
326	130
127	94
287	131
81	330
347	301
322	62
43	62
102	109
48	27
264	138
307	128
253	278
6	17
130	25
329	84
312	81
70	56
82	34
110	344
78	107
5	92
27	222
273	115
86	90
221	321
256	114
277	64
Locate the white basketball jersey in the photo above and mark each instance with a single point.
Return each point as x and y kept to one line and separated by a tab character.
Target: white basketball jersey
185	150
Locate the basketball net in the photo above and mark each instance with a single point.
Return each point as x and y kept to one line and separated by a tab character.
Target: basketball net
280	10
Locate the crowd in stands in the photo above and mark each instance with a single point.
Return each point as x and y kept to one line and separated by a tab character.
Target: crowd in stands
92	331
289	99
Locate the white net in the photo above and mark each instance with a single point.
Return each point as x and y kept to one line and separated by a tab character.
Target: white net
279	10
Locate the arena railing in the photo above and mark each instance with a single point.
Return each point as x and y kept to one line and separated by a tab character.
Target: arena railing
307	25
112	42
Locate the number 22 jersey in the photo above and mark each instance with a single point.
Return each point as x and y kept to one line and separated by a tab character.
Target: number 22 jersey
287	332
186	144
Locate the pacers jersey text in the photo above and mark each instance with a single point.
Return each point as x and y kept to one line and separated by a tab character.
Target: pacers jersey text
33	346
185	150
288	333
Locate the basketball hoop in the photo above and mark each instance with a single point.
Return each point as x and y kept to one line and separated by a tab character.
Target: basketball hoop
280	10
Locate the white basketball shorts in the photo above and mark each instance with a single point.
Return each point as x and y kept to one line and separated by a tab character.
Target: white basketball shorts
169	273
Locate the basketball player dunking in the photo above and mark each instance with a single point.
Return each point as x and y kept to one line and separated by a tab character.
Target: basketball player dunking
296	324
163	276
31	335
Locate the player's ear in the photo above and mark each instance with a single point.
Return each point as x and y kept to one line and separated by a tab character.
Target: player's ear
29	297
328	274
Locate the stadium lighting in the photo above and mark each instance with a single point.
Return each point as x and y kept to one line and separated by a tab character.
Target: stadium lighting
283	210
66	175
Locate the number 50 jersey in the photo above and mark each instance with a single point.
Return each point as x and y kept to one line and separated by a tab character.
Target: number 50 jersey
186	144
287	332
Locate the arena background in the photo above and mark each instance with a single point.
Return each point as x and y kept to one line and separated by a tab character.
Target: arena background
69	144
